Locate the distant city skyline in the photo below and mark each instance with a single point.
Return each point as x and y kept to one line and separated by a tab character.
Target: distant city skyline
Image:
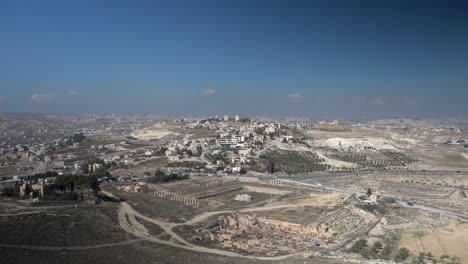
320	59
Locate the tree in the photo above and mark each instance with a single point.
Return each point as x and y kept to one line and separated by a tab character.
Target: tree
363	197
403	253
77	138
376	247
421	257
189	153
271	167
159	173
27	190
444	257
369	192
386	251
455	259
359	246
93	184
98	173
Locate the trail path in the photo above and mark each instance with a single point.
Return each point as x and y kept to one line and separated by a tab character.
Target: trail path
52	248
127	220
127	217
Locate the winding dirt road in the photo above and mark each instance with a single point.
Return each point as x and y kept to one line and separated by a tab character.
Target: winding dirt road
128	222
127	218
51	248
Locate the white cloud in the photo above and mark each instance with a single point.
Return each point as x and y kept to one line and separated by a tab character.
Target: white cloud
295	96
2	98
73	93
41	97
376	102
209	92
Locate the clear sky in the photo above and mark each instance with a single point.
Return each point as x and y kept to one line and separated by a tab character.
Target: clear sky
330	59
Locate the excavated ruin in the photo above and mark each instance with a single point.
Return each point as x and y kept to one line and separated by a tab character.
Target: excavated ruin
249	233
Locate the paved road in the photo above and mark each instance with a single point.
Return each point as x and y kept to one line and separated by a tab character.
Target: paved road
344	174
433	209
401	202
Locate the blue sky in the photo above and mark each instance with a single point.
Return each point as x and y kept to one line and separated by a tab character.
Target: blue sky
333	59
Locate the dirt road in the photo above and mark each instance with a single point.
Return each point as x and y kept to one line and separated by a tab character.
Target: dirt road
127	220
127	242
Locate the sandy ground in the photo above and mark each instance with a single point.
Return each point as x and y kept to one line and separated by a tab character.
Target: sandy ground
451	240
154	132
377	143
465	155
336	163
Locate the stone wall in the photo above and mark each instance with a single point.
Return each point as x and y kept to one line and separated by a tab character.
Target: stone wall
265	190
176	198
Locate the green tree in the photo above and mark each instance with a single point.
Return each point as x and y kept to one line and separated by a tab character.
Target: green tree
77	138
358	246
369	192
159	173
366	253
444	257
403	253
271	167
27	190
421	257
98	173
377	247
93	184
189	153
386	251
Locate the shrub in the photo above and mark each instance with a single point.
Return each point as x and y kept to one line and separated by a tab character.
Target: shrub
386	251
162	177
358	246
403	253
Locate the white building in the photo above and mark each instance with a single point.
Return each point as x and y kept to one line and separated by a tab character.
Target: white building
227	141
97	166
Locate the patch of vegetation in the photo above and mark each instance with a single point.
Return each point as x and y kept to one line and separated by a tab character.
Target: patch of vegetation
213	158
365	164
450	260
187	164
378	251
294	162
333	129
163	177
401	255
59	226
76	138
399	157
69	184
372	208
